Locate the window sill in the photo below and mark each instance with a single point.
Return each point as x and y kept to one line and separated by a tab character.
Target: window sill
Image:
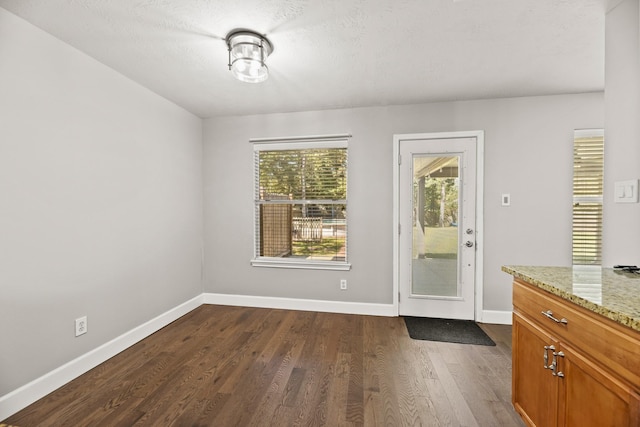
303	264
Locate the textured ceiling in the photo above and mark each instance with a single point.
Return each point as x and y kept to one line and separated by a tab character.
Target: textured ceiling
337	53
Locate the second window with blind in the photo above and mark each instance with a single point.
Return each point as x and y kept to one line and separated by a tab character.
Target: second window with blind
588	176
301	202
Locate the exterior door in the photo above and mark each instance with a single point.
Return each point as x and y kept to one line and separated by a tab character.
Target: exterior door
437	225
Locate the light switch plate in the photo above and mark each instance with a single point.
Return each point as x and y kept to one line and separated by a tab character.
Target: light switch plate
506	199
626	191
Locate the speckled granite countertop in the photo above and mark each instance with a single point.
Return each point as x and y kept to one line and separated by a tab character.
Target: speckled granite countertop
613	294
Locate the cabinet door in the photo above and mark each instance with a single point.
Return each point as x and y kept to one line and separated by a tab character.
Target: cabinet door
589	396
535	389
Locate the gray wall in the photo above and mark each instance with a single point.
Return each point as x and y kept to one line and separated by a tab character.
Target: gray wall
100	203
528	153
621	232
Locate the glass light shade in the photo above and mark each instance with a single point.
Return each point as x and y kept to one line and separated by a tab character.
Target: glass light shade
250	71
247	54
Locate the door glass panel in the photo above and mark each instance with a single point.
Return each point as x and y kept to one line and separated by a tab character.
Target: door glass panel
436	183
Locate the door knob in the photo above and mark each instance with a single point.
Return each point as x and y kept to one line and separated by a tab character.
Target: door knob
469	244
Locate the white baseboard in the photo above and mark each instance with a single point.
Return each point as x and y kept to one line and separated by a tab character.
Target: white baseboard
372	309
497	317
22	397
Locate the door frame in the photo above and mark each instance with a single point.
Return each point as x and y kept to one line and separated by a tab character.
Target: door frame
479	136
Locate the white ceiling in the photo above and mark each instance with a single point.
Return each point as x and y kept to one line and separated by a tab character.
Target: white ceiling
337	53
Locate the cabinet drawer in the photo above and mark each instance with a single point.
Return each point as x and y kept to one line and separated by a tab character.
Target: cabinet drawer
614	346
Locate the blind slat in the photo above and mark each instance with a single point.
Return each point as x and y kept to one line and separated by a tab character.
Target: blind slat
311	174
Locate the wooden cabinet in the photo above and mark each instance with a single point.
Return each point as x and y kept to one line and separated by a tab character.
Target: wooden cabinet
572	367
535	393
592	396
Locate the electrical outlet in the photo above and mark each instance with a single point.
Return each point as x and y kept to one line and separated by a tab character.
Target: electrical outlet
343	284
81	326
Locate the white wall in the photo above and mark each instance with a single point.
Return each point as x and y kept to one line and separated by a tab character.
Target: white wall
100	203
528	153
621	223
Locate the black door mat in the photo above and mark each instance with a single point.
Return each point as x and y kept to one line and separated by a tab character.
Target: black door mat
446	330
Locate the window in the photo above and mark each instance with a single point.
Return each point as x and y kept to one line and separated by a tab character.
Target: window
301	202
588	173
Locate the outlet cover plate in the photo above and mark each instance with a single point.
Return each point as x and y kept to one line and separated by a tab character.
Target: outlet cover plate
81	326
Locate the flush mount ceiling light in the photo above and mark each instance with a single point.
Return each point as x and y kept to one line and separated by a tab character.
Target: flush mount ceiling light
248	52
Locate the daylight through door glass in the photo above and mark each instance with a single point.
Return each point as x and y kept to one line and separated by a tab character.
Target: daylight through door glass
436	183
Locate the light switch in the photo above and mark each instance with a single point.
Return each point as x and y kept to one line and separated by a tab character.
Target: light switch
626	191
506	199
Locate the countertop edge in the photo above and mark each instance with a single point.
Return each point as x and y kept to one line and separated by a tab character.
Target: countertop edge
602	310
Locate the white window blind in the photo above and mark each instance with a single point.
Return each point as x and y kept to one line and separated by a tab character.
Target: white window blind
301	202
588	174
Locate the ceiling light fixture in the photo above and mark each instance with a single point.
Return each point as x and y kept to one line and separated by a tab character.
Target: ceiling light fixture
248	52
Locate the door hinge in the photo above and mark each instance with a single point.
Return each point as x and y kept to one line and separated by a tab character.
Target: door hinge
399	159
399	228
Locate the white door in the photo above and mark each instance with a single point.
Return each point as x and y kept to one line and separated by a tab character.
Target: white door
437	226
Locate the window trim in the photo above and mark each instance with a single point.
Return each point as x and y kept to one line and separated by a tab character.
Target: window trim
297	143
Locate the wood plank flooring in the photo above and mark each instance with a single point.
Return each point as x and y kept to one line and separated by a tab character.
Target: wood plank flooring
234	366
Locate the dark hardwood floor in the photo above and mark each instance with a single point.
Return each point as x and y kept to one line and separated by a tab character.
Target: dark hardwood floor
233	366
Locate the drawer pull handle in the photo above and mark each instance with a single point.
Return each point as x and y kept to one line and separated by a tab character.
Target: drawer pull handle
554	363
546	356
549	314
